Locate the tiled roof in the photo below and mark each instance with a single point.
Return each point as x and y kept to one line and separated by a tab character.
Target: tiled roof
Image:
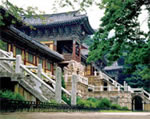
61	19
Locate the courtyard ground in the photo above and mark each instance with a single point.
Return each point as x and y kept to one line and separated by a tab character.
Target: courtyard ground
75	115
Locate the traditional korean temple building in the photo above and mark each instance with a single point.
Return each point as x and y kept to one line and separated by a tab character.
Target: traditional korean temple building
63	32
32	52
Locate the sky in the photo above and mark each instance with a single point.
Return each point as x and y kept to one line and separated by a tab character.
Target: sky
94	13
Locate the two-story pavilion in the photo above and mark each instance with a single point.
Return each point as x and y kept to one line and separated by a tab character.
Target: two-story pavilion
63	32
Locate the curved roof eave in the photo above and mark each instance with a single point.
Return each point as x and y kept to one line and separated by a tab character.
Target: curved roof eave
83	20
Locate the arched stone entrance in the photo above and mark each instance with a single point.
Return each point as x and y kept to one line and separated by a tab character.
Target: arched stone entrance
137	103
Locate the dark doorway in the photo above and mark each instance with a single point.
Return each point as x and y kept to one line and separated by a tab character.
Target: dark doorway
137	103
64	47
6	83
105	86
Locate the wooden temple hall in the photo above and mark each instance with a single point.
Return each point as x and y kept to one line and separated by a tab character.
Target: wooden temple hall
32	51
62	32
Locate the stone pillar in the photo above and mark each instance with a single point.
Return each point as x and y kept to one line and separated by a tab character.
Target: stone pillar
58	85
74	89
55	45
109	88
143	105
74	50
125	86
39	70
118	88
102	87
18	62
115	83
100	74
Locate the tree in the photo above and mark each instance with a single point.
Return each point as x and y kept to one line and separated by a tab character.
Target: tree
17	12
88	41
129	41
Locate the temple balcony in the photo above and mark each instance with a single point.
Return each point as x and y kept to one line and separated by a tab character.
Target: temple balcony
69	57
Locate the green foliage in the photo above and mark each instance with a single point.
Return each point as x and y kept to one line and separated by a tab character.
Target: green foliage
66	99
88	41
53	101
94	103
104	103
2	45
125	108
128	41
10	95
18	12
86	103
116	106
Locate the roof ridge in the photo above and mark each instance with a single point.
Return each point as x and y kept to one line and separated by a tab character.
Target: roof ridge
56	14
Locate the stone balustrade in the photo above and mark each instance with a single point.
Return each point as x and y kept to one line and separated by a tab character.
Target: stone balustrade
83	80
103	88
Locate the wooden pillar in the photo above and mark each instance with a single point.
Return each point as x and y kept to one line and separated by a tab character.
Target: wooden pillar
80	53
55	45
52	69
24	57
74	50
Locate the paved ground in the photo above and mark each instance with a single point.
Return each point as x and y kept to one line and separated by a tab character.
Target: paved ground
84	115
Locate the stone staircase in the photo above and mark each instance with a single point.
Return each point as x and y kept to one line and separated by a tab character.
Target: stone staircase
32	82
120	87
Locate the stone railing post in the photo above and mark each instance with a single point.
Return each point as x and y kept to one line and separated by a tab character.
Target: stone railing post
74	89
95	73
102	87
18	62
109	88
118	88
39	70
58	85
124	85
100	74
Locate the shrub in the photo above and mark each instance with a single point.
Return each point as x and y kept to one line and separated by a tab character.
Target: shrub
53	101
81	102
116	106
17	96
66	99
125	108
104	103
10	95
93	100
